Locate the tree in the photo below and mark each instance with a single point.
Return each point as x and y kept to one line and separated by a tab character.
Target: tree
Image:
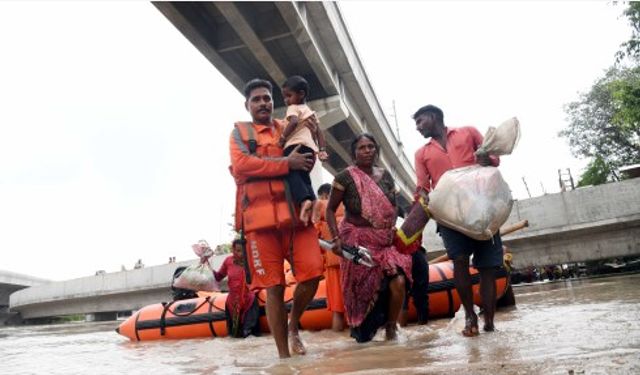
631	48
597	173
605	122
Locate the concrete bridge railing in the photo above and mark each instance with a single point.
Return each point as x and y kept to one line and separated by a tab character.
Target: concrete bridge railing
574	226
110	292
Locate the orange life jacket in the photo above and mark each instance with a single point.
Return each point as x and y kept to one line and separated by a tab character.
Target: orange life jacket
261	202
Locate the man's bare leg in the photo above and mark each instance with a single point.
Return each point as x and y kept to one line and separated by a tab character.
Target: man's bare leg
403	317
488	293
462	280
301	297
397	292
277	318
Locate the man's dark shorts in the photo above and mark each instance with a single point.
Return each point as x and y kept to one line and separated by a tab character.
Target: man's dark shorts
485	253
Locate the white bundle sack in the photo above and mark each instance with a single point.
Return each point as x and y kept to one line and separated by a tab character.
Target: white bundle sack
199	276
501	140
475	200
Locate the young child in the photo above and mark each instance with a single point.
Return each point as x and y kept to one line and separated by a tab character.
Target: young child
295	91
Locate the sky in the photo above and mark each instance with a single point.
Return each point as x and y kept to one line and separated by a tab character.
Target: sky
114	128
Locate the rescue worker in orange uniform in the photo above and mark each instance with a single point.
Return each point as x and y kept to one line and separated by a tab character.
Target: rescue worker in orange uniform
333	285
269	220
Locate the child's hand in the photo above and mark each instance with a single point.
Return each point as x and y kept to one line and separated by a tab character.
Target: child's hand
323	155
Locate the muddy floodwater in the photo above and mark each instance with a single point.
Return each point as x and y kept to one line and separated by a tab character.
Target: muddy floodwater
589	326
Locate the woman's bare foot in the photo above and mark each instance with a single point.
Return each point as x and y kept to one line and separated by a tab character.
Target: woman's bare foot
305	211
471	326
391	331
296	344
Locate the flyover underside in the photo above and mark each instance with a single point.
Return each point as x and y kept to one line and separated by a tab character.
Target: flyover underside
274	40
5	292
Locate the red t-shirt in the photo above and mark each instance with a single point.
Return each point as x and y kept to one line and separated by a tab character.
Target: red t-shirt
432	161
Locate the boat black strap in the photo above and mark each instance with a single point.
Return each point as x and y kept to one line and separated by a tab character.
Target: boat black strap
211	327
163	322
135	326
196	308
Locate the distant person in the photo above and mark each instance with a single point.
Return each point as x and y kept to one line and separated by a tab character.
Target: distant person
259	167
296	134
241	308
373	296
333	285
138	265
447	149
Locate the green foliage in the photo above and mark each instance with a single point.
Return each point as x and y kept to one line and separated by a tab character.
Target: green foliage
597	173
72	318
631	48
605	122
626	102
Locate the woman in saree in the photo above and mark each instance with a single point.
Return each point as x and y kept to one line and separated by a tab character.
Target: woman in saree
373	297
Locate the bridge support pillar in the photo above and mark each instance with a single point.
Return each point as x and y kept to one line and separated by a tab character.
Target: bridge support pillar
9	318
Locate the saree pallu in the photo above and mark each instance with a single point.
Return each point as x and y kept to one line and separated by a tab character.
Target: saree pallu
363	286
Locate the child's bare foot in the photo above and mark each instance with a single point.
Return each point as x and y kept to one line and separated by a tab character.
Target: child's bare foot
323	156
305	211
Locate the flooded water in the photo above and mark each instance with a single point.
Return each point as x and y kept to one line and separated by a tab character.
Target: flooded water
574	327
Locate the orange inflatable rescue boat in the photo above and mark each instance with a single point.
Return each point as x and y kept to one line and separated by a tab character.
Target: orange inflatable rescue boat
205	316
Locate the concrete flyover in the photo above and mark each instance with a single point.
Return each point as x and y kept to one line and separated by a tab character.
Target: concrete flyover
11	282
274	40
585	224
101	296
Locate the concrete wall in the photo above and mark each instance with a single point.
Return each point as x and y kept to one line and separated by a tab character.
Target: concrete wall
118	291
584	224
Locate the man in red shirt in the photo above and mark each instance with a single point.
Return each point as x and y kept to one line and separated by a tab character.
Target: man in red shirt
447	149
